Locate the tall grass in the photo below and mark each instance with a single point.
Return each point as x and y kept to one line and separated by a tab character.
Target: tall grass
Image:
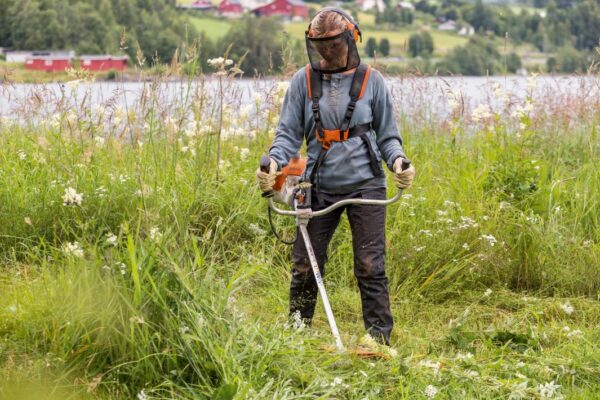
164	282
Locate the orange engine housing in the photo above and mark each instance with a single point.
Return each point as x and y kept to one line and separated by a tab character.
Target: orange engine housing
296	167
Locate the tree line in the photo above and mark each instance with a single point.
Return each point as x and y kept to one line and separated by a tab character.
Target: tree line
95	26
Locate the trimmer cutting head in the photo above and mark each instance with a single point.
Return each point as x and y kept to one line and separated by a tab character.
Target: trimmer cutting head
359	352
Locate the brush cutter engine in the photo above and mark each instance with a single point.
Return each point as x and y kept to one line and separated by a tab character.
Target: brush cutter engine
287	181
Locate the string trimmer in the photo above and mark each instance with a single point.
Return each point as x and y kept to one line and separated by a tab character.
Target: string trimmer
291	191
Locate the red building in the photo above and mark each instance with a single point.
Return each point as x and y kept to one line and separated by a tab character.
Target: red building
48	63
103	62
203	5
293	9
231	8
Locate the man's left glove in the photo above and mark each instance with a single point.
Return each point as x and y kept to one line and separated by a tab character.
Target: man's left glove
402	178
266	180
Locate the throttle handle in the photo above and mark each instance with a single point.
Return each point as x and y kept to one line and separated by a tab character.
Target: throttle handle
265	164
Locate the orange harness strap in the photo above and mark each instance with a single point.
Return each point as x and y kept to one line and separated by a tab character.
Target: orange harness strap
357	90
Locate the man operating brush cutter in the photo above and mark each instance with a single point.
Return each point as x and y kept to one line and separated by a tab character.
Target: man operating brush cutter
344	111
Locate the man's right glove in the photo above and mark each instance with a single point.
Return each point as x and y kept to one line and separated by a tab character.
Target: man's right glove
404	178
266	180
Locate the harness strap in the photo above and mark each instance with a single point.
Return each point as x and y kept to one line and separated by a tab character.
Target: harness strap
357	89
315	91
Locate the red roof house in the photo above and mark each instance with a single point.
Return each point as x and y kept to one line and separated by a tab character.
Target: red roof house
103	62
293	9
231	8
203	5
48	63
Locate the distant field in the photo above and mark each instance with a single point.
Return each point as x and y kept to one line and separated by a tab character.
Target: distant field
443	41
213	27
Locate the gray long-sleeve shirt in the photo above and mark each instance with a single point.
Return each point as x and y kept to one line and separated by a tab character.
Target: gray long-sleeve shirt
347	164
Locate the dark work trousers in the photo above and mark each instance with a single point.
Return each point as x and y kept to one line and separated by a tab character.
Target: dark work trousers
368	241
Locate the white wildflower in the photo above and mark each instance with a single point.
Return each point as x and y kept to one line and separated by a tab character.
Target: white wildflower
244	153
567	308
447	203
71	197
431	391
73	249
184	329
155	234
455	98
433	365
101	191
471	374
224	164
487	293
257	230
482	112
137	320
465	246
574	334
464	356
419	249
520	364
21	154
549	390
111	239
245	111
142	396
122	268
490	239
219	62
532	81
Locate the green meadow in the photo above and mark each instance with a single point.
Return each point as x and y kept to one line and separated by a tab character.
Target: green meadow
136	261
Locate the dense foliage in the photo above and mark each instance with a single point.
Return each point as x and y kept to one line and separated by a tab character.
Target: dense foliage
94	26
478	57
420	44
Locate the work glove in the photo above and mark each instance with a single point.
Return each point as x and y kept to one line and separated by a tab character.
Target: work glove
266	180
404	178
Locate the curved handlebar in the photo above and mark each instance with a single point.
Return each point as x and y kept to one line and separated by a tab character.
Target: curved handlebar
341	203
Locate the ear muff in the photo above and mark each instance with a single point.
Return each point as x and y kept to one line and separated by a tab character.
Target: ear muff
352	25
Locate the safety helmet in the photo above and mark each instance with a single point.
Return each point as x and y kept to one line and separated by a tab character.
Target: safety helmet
325	53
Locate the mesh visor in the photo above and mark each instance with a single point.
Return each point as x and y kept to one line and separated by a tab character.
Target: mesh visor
333	53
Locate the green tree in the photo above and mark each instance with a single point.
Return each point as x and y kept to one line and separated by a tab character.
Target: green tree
513	62
261	38
384	47
420	44
478	57
371	47
569	60
551	64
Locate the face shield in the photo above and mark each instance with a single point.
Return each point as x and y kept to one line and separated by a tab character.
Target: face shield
331	54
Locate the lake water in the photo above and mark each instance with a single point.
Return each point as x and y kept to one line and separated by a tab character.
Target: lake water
423	95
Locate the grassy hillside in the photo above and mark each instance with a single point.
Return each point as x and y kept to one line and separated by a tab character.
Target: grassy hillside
216	28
